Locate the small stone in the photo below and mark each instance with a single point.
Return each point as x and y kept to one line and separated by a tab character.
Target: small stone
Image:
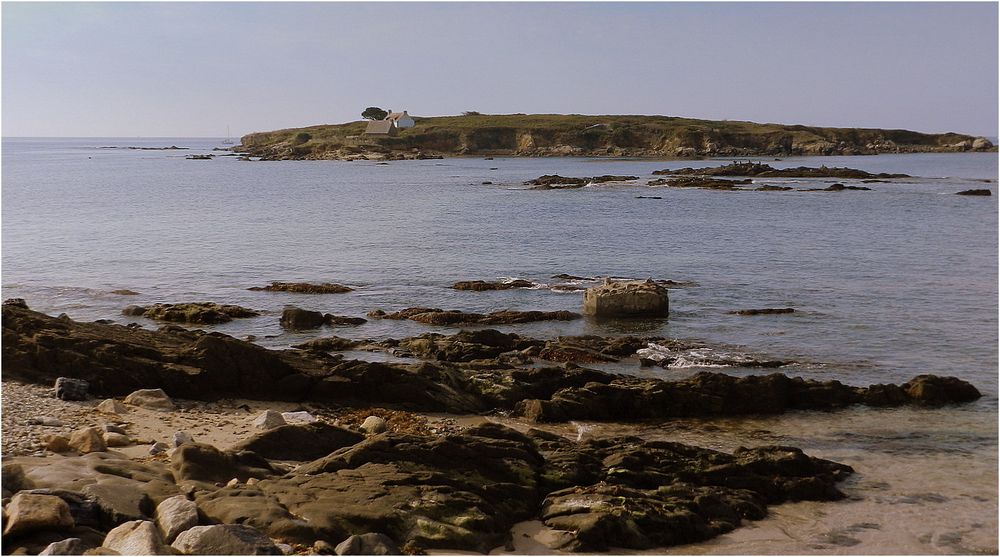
136	537
181	438
269	419
233	482
111	428
368	544
301	417
322	547
252	481
56	443
46	421
285	548
373	425
175	515
158	447
68	388
29	512
155	399
112	439
69	546
88	440
112	406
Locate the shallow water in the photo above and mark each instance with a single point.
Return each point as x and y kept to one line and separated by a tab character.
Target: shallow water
887	284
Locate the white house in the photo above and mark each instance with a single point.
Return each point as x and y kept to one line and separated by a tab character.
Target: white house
400	120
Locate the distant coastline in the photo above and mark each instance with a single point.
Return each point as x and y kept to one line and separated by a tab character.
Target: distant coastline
556	135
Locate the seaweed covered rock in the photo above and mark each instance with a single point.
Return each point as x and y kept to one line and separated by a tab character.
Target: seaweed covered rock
199	313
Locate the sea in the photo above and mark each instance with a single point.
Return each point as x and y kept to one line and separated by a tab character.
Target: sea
886	284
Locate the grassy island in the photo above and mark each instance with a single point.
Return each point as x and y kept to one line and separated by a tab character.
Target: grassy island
580	135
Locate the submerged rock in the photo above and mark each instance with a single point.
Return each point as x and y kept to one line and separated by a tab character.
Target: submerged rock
763	311
757	169
975	192
700	182
626	299
304	288
434	316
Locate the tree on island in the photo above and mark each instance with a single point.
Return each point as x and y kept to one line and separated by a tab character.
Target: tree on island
374	113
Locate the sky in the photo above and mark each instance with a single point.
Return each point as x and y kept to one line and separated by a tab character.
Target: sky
191	69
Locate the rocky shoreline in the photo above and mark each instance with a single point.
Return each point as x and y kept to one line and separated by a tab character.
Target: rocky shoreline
358	453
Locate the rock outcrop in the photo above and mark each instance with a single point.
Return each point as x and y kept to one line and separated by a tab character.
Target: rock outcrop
474	371
200	313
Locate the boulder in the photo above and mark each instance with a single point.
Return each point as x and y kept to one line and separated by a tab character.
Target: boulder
932	390
368	544
299	442
155	399
175	515
56	443
975	192
373	425
88	440
112	439
269	419
225	539
626	299
29	512
137	537
13	479
205	463
297	319
68	388
981	144
119	500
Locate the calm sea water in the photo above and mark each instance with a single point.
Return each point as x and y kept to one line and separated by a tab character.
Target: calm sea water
887	284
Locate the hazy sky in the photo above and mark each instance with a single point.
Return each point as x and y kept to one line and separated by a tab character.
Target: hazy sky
191	69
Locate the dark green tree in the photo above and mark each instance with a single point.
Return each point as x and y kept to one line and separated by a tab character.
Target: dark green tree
374	113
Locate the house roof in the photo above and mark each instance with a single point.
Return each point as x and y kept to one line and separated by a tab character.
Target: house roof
379	127
393	116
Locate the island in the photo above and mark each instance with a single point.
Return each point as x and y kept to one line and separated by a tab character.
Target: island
555	135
